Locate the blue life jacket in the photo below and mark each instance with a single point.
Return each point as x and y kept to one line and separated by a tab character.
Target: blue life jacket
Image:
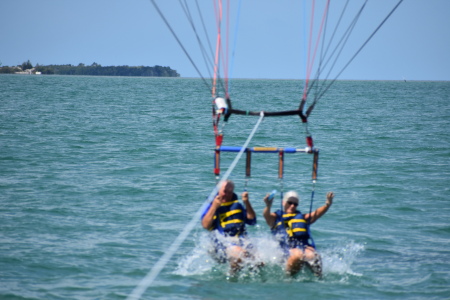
292	229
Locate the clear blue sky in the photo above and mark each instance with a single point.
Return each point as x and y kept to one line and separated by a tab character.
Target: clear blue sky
414	43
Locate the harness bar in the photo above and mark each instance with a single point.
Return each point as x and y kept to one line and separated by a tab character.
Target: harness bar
266	149
280	151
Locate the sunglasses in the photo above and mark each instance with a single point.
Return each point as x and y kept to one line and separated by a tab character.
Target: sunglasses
292	203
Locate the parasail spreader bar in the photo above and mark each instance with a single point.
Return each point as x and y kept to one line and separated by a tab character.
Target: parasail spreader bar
265	149
266	113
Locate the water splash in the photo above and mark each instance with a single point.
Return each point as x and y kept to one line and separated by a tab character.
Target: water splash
337	260
199	261
340	258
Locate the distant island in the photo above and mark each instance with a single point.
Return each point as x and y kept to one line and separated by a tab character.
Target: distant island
94	70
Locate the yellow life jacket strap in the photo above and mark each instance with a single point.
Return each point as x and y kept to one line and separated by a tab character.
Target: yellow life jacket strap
230	213
229	203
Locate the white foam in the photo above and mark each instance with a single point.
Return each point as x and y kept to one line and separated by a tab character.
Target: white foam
340	258
198	261
336	260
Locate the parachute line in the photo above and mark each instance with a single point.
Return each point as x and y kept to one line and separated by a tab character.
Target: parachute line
324	90
203	50
179	42
339	48
234	42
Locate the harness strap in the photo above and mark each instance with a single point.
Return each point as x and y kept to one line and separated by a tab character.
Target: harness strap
248	165
310	211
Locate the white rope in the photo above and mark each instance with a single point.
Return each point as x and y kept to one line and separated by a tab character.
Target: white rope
157	268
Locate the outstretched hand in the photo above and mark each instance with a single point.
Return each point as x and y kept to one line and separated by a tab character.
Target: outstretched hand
330	196
267	201
244	196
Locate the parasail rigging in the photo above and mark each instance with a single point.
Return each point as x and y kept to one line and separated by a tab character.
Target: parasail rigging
328	37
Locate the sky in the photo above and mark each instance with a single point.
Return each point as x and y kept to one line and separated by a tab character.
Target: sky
270	40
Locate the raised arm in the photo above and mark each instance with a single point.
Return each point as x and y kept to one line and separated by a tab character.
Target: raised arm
270	217
208	219
315	215
248	206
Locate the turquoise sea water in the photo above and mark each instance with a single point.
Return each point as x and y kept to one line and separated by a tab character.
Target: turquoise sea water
98	176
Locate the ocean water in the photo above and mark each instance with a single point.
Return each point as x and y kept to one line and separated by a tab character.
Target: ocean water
99	175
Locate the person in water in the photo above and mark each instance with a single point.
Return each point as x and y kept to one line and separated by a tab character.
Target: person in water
227	219
291	229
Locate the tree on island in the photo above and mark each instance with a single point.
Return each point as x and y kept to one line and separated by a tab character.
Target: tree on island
94	69
27	65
